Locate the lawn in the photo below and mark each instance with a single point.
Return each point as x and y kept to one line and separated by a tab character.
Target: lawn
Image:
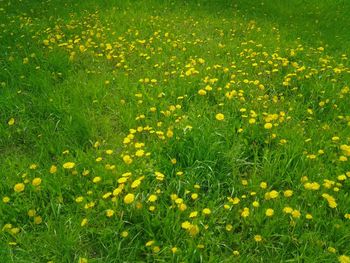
174	131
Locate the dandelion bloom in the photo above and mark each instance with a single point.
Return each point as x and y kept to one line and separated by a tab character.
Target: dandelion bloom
19	187
68	165
129	198
220	117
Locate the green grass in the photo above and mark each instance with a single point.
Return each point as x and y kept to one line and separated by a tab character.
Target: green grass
99	83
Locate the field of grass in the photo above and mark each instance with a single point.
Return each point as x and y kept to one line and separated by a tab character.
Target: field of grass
174	131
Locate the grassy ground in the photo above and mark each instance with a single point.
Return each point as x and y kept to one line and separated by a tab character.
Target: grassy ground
174	131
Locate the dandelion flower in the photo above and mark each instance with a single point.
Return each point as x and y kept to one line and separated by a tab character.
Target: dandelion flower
68	165
220	117
129	198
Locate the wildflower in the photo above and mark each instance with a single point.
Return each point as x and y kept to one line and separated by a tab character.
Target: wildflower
271	195
6	199
125	234
53	169
38	220
288	193
79	199
96	179
268	125
206	211
288	210
193	230
269	212
344	259
109	212
152	198
19	187
229	227
263	185
36	181
193	214
194	196
245	212
140	153
186	225
11	122
308	216
109	152
68	165
220	117
136	183
84	222
256	204
129	198
83	260
202	92
331	250
127	159
296	213
257	238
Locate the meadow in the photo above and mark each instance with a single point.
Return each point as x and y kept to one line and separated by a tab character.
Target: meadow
174	131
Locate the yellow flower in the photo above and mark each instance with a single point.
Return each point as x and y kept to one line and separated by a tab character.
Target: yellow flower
152	198
135	183
129	198
19	187
31	212
288	210
256	204
269	212
308	216
124	234
257	238
193	214
127	159
83	222
174	250
83	260
6	199
140	153
288	193
53	169
11	121
344	259
79	199
68	165
149	243
194	196
38	220
15	230
202	92
36	181
97	179
186	225
296	214
109	212
245	212
156	249
331	250
263	185
206	211
271	195
268	125
109	152
193	230
220	117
